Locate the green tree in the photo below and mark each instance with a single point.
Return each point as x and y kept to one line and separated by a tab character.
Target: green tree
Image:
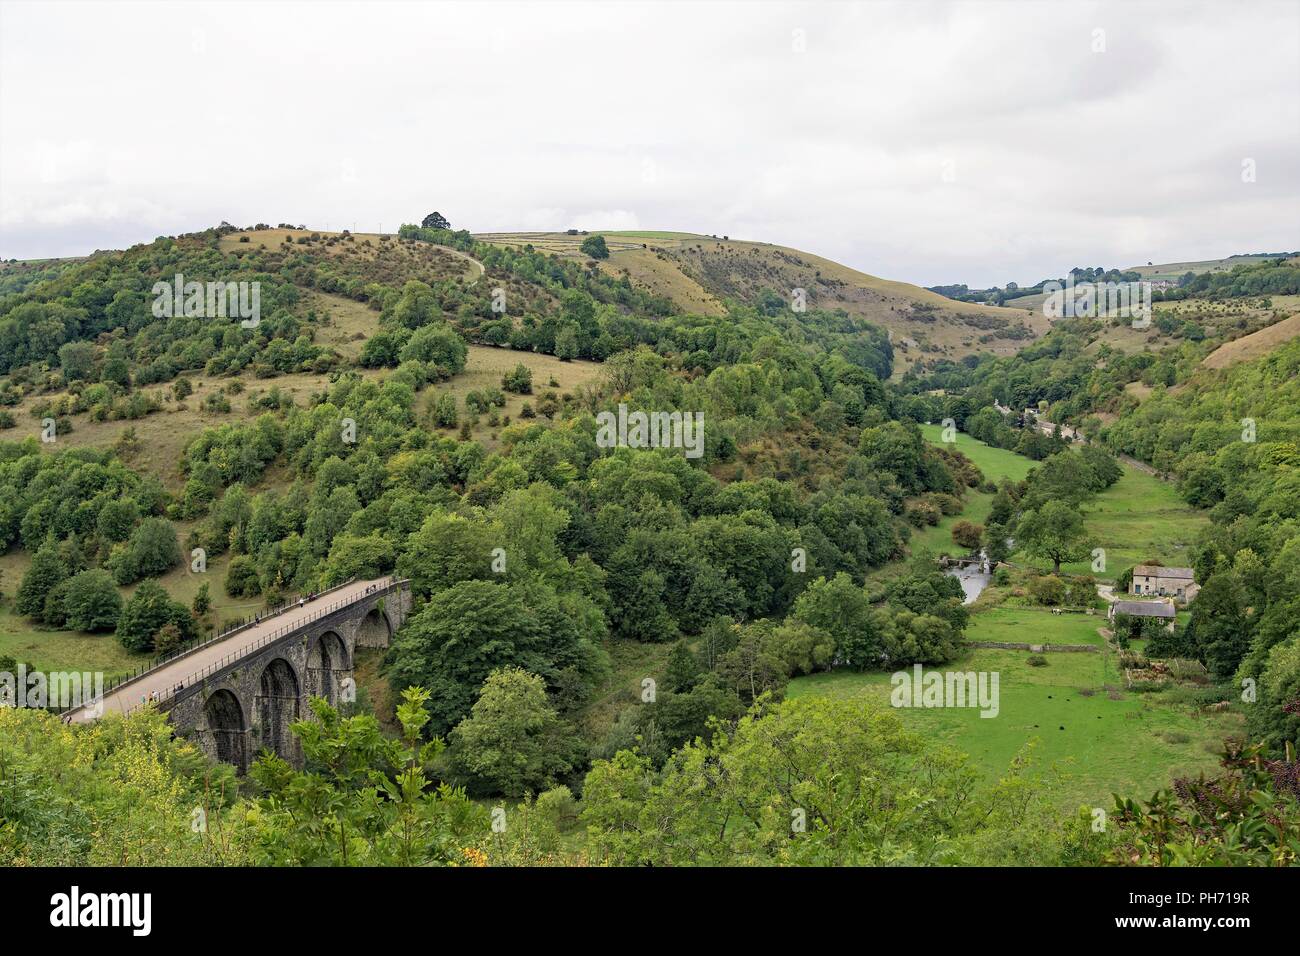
1054	532
242	579
153	549
416	307
116	519
357	556
444	411
1219	626
453	643
518	380
364	799
92	602
438	345
818	781
841	609
595	247
566	343
513	742
43	575
148	611
448	549
78	361
202	600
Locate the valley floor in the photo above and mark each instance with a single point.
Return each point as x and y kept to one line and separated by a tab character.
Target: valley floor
1084	730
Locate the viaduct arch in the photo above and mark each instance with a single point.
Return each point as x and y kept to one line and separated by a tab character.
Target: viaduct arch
237	696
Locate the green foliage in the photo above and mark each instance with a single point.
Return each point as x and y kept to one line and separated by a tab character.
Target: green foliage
451	645
438	345
126	793
595	247
242	579
512	742
518	380
1054	532
1274	720
91	602
152	550
44	574
444	411
148	611
815	782
363	799
1247	816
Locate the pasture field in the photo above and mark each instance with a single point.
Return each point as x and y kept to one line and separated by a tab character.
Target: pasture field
996	463
51	650
1091	737
1035	625
1139	518
76	650
1176	270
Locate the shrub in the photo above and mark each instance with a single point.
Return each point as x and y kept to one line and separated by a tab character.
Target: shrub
438	345
242	579
518	380
1047	589
595	247
1036	660
444	411
967	534
922	513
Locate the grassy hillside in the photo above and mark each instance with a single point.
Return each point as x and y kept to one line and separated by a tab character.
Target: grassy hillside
1176	270
699	273
1255	344
381	258
995	463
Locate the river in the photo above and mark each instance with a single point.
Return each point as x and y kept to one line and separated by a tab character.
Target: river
974	579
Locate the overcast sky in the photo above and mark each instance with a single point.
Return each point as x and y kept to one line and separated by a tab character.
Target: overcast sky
935	143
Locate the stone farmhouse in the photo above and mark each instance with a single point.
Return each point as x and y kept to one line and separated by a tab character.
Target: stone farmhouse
1155	580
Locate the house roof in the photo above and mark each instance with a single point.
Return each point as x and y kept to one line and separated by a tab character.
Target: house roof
1157	571
1145	608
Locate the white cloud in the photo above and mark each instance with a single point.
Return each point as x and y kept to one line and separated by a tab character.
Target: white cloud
118	122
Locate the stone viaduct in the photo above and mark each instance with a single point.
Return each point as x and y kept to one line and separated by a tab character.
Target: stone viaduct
237	704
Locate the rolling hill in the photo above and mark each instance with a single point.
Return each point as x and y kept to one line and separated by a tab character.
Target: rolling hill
701	273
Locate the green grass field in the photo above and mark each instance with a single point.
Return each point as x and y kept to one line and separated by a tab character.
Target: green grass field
996	463
1139	518
938	539
61	650
1096	742
1035	626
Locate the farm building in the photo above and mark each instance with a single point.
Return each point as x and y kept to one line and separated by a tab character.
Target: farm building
1177	583
1162	610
